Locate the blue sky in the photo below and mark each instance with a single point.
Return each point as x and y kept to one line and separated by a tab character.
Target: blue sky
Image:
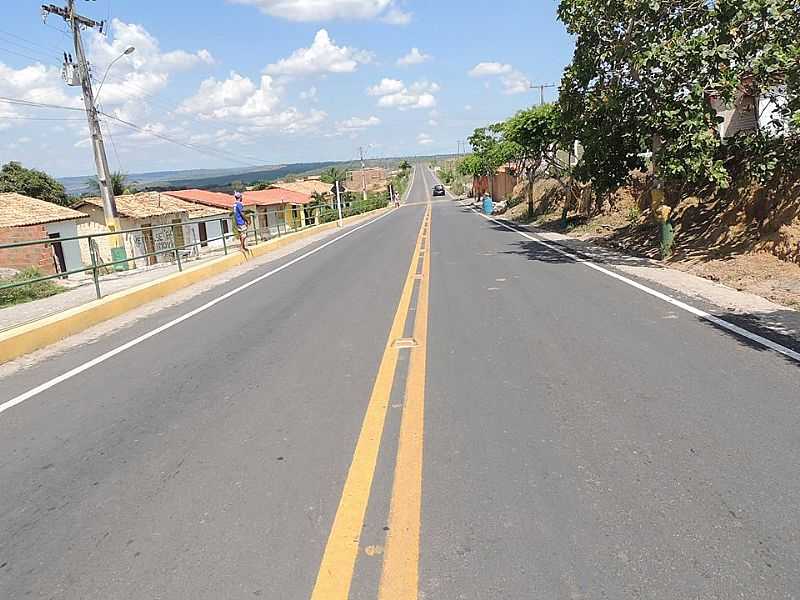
248	82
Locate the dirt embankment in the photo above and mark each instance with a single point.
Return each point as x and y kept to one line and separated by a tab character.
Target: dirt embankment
746	237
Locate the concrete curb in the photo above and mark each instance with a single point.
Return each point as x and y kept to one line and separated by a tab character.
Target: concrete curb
26	338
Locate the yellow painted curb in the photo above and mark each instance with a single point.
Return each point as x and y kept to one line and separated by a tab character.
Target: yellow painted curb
26	338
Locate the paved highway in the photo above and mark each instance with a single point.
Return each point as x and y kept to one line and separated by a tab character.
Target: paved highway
433	407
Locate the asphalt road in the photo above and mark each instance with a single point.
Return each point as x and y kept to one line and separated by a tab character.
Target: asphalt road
430	407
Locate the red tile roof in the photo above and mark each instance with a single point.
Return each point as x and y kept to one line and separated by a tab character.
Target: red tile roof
215	199
271	197
275	196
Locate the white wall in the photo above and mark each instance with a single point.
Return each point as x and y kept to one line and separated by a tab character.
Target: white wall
72	249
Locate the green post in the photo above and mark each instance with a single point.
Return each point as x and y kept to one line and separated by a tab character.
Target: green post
94	269
224	241
667	239
177	251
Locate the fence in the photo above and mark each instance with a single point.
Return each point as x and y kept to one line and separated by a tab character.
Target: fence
169	243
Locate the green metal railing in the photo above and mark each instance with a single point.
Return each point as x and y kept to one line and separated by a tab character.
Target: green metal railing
229	239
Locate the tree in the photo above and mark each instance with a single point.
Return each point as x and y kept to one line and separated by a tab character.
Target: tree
332	175
540	144
30	182
119	184
644	70
405	166
490	151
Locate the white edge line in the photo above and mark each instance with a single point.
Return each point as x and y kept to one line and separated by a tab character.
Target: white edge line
136	341
789	353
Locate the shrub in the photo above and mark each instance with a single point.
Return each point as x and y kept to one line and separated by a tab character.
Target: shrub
31	291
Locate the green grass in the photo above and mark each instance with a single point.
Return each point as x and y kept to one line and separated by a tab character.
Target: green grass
31	291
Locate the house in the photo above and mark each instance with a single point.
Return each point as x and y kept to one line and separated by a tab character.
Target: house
309	187
223	203
140	216
500	185
24	219
750	111
279	210
274	211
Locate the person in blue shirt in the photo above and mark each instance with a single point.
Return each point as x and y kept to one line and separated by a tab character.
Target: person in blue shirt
241	220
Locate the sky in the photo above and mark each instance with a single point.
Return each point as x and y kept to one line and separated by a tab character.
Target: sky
240	83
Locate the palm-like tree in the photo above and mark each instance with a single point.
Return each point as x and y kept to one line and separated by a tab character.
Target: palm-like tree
119	184
333	175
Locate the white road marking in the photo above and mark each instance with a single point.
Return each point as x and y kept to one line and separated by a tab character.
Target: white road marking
136	341
754	337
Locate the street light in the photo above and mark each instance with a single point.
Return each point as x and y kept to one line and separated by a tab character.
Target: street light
129	50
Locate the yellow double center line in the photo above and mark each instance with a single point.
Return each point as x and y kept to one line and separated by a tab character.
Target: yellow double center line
400	576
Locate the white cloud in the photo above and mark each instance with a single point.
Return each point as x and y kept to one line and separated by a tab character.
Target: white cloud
36	83
324	10
386	86
252	107
513	81
414	57
468	107
395	94
143	73
237	96
323	56
356	124
490	69
433	122
395	16
423	139
309	94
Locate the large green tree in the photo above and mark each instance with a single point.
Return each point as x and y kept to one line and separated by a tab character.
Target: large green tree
644	71
30	182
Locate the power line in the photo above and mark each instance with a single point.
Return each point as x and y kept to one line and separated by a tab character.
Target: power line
33	104
15	118
23	41
208	150
22	54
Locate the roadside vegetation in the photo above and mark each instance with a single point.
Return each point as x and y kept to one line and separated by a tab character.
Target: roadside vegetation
31	291
637	119
30	182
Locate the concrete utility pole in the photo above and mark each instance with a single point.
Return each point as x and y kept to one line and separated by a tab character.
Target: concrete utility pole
339	201
363	174
83	78
542	88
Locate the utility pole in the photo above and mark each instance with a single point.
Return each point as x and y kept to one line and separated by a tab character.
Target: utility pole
542	88
83	78
363	174
339	201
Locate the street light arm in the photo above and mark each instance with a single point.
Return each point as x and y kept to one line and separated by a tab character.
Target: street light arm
128	51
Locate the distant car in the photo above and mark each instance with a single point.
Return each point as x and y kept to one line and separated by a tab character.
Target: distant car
438	190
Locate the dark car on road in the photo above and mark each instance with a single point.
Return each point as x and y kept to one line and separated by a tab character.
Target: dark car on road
438	190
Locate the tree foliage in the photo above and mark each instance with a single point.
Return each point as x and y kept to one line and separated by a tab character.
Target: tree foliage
644	72
119	184
30	182
332	175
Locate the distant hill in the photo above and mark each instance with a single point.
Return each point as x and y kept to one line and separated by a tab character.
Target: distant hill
221	179
200	178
